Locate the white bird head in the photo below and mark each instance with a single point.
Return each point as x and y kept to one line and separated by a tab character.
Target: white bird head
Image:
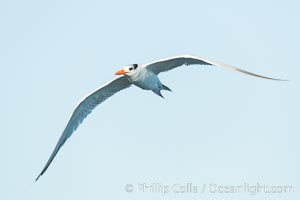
128	70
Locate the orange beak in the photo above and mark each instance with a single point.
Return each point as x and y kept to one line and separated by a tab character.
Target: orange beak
120	72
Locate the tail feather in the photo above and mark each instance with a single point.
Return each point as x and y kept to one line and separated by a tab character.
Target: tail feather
158	93
166	88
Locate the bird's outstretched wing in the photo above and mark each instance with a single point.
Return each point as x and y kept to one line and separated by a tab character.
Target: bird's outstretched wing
84	108
177	61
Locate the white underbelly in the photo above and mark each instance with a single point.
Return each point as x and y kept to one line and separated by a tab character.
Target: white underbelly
148	82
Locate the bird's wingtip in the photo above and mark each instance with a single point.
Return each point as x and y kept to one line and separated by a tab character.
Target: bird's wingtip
276	79
38	178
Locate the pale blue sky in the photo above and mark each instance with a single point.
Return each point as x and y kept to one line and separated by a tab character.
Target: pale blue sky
217	126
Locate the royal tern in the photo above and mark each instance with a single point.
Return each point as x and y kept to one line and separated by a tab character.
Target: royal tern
143	76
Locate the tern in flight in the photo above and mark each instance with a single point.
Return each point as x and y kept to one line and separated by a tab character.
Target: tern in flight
144	76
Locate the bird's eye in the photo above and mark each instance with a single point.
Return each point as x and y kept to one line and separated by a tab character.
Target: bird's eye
130	68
